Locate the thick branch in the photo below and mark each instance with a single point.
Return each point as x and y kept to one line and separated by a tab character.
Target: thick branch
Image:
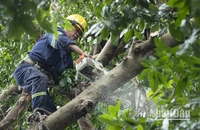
76	109
107	53
169	40
10	90
96	49
15	111
120	48
85	124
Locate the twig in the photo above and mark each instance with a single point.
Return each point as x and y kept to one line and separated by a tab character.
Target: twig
2	112
147	102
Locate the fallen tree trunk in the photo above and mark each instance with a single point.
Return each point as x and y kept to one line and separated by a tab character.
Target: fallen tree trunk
125	71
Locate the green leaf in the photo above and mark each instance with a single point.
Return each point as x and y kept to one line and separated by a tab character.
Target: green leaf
129	127
141	25
146	63
169	99
128	120
144	3
112	110
97	9
174	3
155	27
181	15
153	80
105	33
161	102
152	1
13	30
162	79
68	25
190	60
109	119
175	32
181	100
107	2
114	40
62	82
43	19
117	107
143	74
196	48
127	36
183	9
186	28
153	7
140	127
142	120
181	86
55	27
110	127
137	34
29	26
169	84
197	19
150	93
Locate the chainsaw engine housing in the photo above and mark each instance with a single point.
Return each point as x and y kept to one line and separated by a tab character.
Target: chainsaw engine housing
90	69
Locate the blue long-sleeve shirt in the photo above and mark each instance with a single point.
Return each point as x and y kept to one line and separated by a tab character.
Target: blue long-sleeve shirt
53	53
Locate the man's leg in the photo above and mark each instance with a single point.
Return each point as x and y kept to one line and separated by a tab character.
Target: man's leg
40	97
34	81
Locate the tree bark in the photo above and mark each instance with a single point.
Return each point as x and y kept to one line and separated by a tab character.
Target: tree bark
96	49
110	51
10	90
98	90
15	111
85	124
120	48
107	53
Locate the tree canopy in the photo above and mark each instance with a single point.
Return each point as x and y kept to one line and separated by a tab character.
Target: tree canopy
170	74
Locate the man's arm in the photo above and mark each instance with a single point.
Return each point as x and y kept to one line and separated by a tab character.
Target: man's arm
76	49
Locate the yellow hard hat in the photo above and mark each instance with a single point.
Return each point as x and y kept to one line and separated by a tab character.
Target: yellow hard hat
78	20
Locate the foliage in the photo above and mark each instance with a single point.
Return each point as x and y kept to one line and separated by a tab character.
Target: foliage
100	108
11	50
175	71
21	13
16	41
116	119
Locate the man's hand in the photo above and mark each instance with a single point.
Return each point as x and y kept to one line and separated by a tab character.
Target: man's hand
87	55
95	56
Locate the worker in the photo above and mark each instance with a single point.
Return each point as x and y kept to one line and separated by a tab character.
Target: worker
47	60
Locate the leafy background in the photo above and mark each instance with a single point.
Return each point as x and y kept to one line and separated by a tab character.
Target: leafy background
175	71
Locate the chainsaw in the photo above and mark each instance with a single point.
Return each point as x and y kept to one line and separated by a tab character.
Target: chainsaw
89	69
